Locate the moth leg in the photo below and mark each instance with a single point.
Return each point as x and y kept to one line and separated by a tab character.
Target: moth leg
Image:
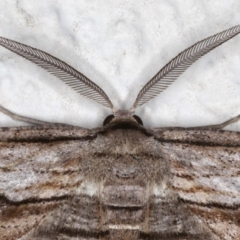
22	118
221	125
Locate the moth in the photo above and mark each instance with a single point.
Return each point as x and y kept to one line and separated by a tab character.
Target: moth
121	180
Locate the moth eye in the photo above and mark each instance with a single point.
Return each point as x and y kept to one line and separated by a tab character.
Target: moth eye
108	119
138	119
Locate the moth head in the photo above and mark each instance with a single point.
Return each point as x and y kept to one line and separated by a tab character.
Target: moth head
123	116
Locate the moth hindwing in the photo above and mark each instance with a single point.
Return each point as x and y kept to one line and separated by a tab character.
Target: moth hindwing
119	181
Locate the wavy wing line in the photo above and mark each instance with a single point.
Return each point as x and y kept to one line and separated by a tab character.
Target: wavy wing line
171	71
60	69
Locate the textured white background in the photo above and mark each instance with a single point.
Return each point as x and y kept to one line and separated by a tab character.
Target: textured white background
120	45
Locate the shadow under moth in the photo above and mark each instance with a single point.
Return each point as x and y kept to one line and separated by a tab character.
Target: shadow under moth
121	180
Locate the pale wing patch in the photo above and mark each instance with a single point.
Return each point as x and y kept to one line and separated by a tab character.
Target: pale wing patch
124	226
89	188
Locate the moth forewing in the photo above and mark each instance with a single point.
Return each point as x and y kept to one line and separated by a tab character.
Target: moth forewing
119	181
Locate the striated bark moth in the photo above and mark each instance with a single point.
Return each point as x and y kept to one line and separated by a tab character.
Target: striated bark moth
119	181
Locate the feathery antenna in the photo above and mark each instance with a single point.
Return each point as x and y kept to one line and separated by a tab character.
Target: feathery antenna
170	72
61	70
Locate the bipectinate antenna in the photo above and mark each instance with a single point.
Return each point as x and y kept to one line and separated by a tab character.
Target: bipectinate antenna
171	71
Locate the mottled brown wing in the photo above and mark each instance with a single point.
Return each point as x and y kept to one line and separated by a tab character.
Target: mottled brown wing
205	170
40	170
118	184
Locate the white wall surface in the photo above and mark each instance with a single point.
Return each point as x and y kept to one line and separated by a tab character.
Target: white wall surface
120	45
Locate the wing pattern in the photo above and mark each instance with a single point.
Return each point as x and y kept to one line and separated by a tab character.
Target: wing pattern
142	188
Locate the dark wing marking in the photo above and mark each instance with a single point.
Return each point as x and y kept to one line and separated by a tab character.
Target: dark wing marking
44	133
168	74
60	69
